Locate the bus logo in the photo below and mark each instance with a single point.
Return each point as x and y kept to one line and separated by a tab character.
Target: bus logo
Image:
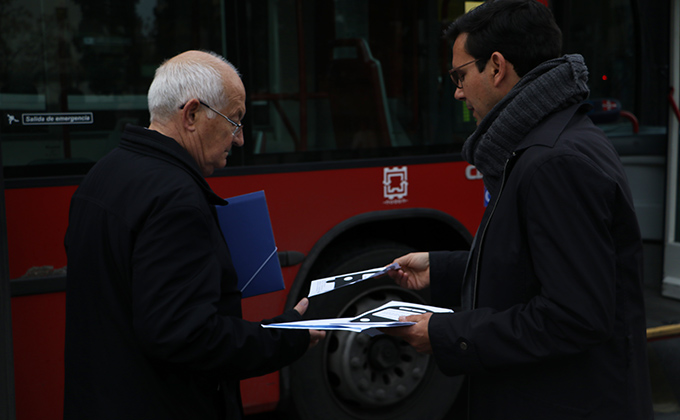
395	184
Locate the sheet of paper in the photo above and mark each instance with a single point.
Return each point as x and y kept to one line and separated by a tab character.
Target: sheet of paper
328	284
385	316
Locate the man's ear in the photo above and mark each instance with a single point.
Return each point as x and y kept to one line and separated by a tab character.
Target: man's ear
188	113
503	72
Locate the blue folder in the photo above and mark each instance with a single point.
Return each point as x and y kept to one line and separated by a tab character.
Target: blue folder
248	231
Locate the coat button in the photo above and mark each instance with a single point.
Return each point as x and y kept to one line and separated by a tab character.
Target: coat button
463	345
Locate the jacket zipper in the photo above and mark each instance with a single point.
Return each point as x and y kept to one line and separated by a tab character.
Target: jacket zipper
477	263
481	238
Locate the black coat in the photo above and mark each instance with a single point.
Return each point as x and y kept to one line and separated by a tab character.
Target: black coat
153	314
553	325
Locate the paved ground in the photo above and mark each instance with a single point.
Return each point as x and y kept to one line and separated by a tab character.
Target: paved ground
664	356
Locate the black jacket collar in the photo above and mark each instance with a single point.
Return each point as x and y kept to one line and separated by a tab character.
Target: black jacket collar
152	143
548	131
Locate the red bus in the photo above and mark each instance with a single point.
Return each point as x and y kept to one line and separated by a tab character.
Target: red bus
352	131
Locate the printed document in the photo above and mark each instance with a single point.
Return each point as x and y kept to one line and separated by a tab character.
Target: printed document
385	316
328	284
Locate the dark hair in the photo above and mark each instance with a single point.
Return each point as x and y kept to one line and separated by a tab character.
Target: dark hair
524	31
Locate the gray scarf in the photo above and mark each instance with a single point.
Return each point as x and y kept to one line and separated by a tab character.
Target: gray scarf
551	86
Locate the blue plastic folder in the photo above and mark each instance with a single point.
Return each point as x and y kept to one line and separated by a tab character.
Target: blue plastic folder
248	231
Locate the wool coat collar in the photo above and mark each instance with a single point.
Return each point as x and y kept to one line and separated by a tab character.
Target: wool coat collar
152	143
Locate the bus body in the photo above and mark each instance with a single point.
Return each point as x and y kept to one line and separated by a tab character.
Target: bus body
351	131
304	207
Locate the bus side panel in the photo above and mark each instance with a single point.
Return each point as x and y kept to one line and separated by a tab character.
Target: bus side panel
303	206
38	323
38	333
260	394
36	223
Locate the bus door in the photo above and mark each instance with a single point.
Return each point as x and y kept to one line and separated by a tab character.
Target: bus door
671	280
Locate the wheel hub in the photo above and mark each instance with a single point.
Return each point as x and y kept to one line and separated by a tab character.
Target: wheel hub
383	353
376	371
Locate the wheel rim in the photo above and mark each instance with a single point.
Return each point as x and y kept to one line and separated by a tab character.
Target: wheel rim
378	371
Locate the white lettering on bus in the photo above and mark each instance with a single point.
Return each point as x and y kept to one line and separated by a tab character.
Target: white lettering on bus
472	173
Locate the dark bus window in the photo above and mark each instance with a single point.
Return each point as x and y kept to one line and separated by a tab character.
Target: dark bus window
326	79
353	75
625	50
593	25
625	45
74	72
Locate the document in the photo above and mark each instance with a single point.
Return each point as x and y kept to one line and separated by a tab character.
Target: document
328	284
248	232
385	316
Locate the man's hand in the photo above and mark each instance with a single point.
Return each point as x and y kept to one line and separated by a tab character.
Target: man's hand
416	335
414	272
314	335
302	306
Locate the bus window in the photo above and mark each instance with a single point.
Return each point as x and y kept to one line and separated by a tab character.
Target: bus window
326	79
625	46
612	69
626	53
75	72
338	75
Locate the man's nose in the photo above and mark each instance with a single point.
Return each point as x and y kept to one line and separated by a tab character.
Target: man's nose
459	94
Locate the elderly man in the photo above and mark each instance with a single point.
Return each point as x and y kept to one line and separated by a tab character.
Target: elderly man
553	323
153	314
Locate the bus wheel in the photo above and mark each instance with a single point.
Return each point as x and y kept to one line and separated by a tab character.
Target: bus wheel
360	376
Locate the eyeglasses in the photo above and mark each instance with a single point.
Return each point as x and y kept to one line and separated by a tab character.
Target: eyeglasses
238	126
456	78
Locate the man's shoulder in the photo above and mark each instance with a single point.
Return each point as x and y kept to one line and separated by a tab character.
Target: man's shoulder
124	178
580	148
568	132
122	165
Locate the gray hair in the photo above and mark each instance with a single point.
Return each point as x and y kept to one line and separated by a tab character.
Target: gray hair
178	81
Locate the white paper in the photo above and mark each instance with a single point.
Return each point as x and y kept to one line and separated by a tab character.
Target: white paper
328	284
385	316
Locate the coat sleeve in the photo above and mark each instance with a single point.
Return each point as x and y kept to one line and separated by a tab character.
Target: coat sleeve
568	216
178	305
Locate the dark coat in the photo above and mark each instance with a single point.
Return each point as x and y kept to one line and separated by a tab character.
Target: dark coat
553	325
153	314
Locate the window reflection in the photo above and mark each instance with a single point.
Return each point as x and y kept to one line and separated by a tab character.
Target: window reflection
69	59
372	71
325	78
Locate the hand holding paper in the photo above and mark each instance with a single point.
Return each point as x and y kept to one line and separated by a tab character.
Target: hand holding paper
416	335
412	270
314	335
328	284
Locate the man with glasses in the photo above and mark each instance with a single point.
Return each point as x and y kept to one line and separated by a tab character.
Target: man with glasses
153	314
552	324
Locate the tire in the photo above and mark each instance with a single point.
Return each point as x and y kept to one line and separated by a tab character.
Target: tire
356	376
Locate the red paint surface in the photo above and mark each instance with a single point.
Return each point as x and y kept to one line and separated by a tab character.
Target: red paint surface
303	206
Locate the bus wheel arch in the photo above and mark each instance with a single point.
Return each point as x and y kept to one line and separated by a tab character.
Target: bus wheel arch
414	229
323	381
